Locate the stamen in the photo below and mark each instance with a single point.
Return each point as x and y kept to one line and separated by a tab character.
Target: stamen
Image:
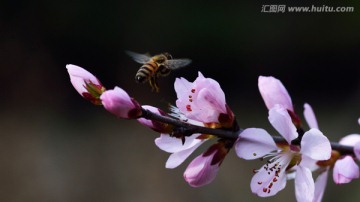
254	154
188	108
193	90
270	185
273	167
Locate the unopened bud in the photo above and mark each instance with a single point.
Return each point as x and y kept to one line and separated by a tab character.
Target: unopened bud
118	102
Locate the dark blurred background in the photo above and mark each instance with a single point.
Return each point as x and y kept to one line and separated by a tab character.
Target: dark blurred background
56	146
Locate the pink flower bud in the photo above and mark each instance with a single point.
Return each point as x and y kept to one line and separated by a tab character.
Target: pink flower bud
200	172
155	125
86	84
345	170
118	102
273	92
204	168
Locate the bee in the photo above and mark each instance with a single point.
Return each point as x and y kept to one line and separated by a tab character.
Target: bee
156	66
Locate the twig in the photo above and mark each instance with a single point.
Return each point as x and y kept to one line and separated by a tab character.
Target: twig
228	134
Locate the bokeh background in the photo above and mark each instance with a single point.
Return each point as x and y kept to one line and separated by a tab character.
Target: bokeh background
56	146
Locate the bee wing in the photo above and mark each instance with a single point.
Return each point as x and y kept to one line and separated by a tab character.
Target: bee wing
139	58
177	63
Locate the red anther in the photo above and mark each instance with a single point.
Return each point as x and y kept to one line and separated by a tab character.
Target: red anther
193	90
270	185
188	108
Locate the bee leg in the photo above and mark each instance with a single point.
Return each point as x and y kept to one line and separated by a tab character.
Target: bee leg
154	85
151	84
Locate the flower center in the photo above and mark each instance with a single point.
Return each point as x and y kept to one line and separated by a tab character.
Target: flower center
274	169
271	169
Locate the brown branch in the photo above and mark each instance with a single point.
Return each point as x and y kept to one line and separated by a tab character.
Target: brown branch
190	129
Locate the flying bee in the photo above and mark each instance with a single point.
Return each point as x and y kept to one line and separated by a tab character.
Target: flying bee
156	66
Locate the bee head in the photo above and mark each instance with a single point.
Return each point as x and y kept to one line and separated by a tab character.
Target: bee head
140	79
168	56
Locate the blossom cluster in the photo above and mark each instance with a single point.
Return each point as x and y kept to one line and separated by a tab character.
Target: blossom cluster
299	155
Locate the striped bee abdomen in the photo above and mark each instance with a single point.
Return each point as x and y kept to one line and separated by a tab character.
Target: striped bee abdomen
146	71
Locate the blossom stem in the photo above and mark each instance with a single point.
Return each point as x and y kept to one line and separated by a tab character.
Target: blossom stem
190	129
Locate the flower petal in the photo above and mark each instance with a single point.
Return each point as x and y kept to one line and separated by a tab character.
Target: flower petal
345	170
200	172
315	145
304	185
179	157
310	116
182	87
320	185
273	92
212	101
78	77
86	84
254	143
173	144
261	182
271	178
213	95
281	121
357	150
308	162
350	140
203	100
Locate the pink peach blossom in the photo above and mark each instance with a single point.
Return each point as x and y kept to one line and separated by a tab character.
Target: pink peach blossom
85	83
202	100
271	178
